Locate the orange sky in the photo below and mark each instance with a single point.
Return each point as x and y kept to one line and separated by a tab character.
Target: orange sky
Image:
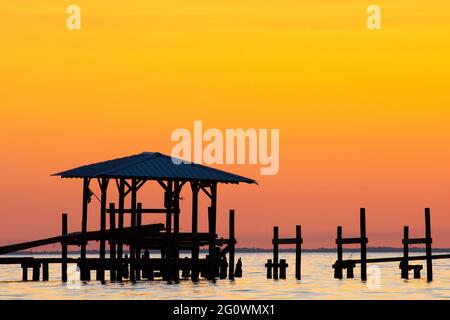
363	115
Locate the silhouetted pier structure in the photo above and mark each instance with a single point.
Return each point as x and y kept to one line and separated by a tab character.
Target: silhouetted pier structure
404	266
130	174
279	267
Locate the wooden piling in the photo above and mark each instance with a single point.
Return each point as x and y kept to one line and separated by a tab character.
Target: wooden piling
405	262
195	248
24	272
275	252
223	268
212	244
338	264
363	244
168	204
138	251
350	269
269	267
63	249
133	225
102	254
84	214
428	242
176	207
45	271
283	267
36	271
416	270
298	252
232	246
112	244
212	216
238	270
120	226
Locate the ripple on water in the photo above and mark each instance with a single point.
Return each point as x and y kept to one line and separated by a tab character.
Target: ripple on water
317	283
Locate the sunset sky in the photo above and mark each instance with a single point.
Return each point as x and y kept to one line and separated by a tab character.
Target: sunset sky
364	115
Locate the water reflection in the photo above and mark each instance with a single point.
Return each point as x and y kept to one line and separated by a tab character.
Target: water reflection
317	283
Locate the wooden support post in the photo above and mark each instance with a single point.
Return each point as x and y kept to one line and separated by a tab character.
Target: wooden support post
275	252
45	271
168	204
185	269
176	228
269	267
63	249
238	270
223	268
85	271
428	245
338	264
24	273
36	271
84	215
232	246
416	270
212	244
283	267
133	225
101	268
195	247
176	207
404	264
120	226
298	252
362	223
112	243
138	251
350	266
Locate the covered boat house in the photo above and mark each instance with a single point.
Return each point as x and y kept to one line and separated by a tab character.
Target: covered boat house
128	175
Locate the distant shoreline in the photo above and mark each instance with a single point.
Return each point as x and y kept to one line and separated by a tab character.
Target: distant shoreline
262	250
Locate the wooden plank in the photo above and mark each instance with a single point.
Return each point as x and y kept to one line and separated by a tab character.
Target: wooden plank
286	241
78	238
145	210
416	241
398	259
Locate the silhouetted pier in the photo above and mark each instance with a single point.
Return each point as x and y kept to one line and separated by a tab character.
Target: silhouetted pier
279	267
405	266
129	175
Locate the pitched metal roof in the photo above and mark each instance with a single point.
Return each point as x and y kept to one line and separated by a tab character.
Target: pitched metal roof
152	165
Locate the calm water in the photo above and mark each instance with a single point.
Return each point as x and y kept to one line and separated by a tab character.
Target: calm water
317	283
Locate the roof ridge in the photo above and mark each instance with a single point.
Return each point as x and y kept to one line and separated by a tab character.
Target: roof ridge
147	155
210	168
